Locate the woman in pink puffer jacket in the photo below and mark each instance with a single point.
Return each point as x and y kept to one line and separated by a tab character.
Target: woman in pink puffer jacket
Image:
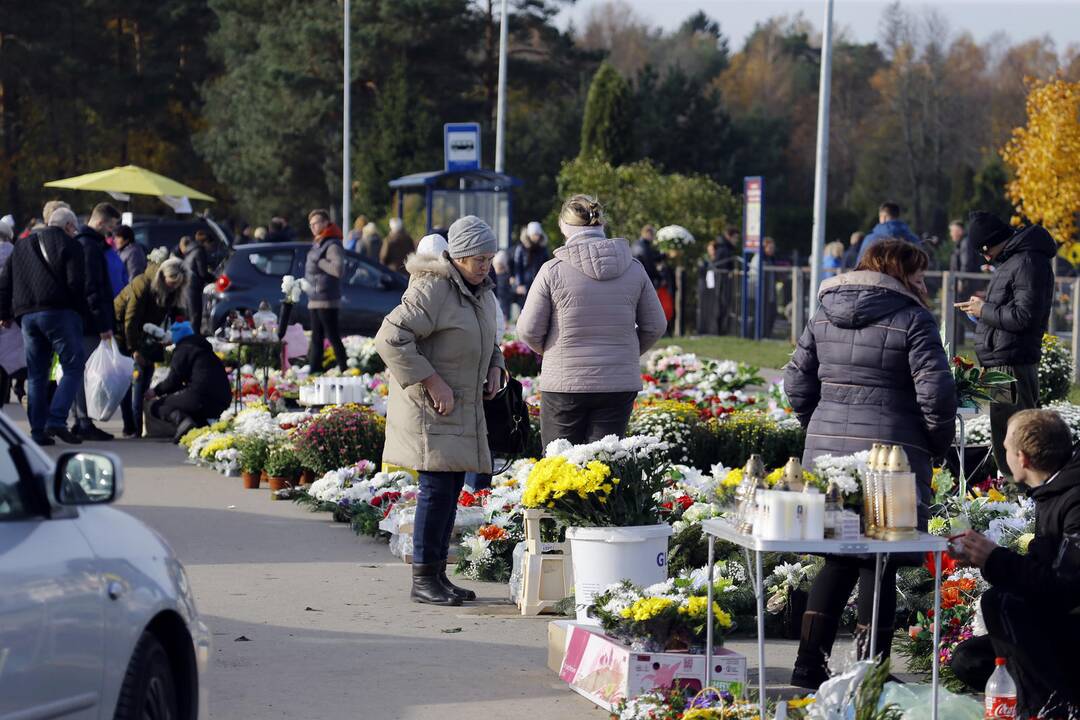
591	312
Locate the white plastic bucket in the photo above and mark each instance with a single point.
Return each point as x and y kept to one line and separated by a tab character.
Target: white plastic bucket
603	556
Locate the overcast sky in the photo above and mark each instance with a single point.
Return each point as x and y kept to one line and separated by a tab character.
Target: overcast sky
1019	20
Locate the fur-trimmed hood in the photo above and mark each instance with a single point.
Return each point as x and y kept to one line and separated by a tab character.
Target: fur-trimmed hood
419	265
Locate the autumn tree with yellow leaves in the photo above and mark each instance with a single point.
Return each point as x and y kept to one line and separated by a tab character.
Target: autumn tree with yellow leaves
1044	157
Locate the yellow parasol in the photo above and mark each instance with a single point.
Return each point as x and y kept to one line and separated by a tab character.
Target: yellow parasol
130	179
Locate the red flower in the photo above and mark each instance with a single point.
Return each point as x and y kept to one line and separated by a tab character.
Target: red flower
667	506
466	499
686	501
948	564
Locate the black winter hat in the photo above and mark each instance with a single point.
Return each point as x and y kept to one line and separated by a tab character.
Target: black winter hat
986	230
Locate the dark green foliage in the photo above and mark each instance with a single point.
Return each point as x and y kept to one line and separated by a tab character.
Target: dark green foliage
606	134
742	434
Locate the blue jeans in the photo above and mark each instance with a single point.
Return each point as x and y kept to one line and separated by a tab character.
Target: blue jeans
436	509
478	481
44	333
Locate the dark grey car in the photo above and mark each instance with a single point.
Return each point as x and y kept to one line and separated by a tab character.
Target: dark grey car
254	272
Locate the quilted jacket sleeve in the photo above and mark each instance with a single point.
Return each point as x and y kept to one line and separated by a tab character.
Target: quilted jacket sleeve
935	391
414	319
1027	304
651	321
535	319
801	383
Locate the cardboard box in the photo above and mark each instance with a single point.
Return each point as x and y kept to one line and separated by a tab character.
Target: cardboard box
606	671
558	639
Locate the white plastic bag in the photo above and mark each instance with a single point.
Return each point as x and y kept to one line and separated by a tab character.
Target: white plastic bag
107	378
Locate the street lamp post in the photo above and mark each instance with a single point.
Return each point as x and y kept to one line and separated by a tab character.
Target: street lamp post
500	116
821	177
346	173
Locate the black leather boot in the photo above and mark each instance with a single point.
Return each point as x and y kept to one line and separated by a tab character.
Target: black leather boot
815	644
427	588
183	423
451	588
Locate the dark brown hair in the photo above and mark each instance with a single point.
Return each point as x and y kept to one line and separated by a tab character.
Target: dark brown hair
898	259
1043	437
104	211
320	213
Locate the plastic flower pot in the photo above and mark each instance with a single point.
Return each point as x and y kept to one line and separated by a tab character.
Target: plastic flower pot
603	556
307	477
264	477
278	483
251	480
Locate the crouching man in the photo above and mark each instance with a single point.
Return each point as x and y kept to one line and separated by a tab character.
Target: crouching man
1032	609
196	389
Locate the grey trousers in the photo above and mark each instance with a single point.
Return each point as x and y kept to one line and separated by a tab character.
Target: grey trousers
1007	401
584	417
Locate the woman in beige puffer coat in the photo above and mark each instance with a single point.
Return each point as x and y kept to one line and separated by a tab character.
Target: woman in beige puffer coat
592	312
441	348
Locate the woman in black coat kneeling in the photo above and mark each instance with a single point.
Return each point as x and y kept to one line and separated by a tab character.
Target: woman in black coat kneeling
197	387
870	368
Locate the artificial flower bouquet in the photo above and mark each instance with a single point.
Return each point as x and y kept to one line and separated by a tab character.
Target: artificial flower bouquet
669	616
608	483
976	384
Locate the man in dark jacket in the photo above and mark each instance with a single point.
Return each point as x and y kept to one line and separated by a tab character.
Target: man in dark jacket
196	389
645	253
529	257
199	275
889	226
965	258
99	321
1014	315
851	255
131	252
1032	609
42	286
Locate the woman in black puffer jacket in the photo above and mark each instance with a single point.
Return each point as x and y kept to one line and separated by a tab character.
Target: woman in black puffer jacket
869	368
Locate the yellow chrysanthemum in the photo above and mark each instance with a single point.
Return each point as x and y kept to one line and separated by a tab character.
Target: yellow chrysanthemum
647	608
695	607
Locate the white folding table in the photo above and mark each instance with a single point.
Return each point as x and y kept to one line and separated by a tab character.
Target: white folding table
880	549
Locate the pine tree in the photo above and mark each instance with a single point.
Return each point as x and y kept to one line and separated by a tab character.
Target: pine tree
606	132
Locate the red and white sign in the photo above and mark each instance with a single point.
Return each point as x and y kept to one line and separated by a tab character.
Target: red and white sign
753	193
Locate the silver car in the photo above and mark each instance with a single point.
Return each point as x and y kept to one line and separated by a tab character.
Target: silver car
96	616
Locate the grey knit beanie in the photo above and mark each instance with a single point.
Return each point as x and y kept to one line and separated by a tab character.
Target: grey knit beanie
470	236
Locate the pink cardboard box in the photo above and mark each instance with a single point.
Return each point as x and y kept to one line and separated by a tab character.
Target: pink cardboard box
606	671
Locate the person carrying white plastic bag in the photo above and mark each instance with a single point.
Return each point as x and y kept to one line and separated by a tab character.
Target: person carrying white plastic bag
107	378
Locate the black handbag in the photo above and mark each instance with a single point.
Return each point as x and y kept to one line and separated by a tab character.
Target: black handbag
508	426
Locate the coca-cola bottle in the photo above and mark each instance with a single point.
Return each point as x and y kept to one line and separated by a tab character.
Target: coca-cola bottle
1000	693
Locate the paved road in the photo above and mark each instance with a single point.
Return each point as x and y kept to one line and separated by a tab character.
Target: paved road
311	622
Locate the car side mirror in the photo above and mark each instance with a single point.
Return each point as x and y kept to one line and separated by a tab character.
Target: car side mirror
87	478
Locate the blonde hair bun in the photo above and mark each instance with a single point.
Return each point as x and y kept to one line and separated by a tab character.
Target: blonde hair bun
582	210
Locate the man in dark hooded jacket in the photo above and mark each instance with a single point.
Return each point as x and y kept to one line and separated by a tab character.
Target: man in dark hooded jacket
1014	315
1032	609
197	386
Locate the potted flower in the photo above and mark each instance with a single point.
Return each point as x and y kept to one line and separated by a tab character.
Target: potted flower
666	617
281	467
606	493
253	451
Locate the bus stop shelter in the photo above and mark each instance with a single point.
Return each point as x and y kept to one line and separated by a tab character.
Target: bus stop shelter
448	196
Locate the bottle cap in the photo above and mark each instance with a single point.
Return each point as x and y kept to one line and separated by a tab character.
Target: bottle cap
999	662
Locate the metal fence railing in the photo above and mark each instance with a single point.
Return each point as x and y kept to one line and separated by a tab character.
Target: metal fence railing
713	306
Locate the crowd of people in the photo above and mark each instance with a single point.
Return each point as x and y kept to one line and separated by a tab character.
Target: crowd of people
870	367
71	286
